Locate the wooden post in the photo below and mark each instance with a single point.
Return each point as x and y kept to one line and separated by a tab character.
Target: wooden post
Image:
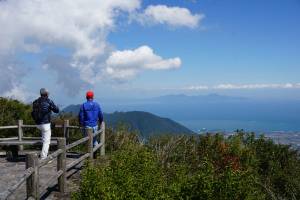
32	182
102	140
61	164
90	142
66	130
20	133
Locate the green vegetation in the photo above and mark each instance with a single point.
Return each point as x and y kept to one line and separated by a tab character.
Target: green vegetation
147	123
181	166
10	112
192	167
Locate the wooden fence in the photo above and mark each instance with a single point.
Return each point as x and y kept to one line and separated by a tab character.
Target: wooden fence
33	164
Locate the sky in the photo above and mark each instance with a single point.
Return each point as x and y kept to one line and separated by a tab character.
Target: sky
134	48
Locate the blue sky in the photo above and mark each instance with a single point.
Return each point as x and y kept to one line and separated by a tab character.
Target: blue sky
241	48
238	42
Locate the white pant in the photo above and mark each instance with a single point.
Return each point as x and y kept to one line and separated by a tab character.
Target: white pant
46	137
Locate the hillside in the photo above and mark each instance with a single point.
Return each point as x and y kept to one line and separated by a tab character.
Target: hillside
210	167
146	123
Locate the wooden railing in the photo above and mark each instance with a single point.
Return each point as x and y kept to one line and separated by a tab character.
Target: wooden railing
33	164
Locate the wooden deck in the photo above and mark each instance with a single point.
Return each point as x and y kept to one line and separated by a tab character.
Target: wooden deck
10	172
51	178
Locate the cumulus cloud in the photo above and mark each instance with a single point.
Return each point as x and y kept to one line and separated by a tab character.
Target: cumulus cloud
81	29
66	77
19	92
172	16
228	86
11	76
11	73
76	24
127	63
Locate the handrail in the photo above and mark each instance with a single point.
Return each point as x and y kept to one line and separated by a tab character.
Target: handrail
31	174
82	140
35	126
97	147
8	127
7	139
23	142
50	157
98	132
38	138
29	126
77	161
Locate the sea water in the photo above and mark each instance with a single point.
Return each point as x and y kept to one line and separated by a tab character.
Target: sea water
232	125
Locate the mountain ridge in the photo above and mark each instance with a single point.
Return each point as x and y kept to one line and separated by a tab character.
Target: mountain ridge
146	123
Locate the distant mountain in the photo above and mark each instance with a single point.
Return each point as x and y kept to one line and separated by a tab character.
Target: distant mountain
146	123
73	109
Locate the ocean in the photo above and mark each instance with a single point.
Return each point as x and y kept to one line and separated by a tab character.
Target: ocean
232	125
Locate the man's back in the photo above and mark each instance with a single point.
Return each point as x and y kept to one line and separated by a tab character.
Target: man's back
41	113
90	113
42	108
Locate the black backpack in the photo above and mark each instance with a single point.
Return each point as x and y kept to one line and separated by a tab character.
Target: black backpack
36	110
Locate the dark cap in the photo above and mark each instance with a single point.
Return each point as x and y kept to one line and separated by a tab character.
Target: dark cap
44	92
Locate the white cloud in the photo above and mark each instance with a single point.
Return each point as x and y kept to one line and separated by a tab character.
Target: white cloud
20	93
228	86
79	28
66	76
172	16
127	63
11	74
76	24
196	87
256	86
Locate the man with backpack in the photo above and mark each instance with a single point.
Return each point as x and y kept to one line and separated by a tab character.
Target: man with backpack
41	113
90	115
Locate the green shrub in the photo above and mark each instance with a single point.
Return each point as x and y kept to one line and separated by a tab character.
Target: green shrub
132	173
10	112
193	167
279	168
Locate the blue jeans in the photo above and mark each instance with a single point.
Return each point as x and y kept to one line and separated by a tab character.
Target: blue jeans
95	129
